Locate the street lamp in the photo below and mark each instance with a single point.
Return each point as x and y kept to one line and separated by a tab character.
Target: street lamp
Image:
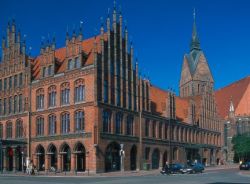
22	161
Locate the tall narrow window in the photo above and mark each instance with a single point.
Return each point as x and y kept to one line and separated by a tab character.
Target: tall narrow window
77	62
9	130
50	70
20	103
10	82
19	128
154	129
40	99
15	81
52	96
52	124
79	91
70	64
147	122
10	105
5	84
118	123
79	121
130	125
65	93
106	121
44	72
1	131
160	130
15	104
40	126
1	85
5	106
105	91
1	107
20	79
65	123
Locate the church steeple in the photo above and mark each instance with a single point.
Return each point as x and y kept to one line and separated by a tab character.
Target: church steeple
195	42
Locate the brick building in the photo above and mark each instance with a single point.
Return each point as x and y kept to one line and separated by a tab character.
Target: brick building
234	109
84	107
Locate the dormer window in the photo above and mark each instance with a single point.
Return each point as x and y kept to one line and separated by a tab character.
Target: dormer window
70	64
50	70
77	62
44	72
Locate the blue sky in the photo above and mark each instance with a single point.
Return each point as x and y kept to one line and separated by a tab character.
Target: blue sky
160	30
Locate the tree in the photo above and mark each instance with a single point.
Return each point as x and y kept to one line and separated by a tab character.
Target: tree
241	147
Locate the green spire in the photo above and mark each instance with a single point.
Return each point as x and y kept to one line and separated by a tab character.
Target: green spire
195	43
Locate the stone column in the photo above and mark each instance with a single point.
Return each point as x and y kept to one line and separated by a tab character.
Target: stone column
14	159
4	159
59	163
73	162
47	165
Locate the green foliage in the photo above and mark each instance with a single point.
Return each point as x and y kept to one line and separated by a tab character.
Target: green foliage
242	146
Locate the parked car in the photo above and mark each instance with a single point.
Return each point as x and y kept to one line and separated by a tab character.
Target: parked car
197	167
179	168
245	166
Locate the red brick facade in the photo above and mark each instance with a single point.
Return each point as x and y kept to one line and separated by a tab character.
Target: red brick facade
81	102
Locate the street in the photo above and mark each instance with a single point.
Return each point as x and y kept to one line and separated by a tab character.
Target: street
210	177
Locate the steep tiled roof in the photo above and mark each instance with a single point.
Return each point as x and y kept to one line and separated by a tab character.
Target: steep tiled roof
60	55
239	92
159	99
181	109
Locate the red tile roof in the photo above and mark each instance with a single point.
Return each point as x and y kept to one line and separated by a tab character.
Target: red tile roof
239	92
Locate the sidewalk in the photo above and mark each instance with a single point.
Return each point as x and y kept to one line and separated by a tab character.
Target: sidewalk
114	174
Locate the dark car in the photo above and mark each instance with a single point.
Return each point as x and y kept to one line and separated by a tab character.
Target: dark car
178	168
245	166
197	168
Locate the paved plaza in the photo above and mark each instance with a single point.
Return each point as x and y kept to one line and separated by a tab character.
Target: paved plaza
220	176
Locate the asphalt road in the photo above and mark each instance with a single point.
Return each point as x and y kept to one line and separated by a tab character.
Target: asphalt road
230	176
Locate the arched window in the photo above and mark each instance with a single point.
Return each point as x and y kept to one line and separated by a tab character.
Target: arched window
9	130
1	131
130	125
65	93
52	96
39	126
79	90
65	123
19	128
52	124
79	120
40	99
106	120
118	123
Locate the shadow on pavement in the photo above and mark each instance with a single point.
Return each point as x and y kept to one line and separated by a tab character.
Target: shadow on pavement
225	183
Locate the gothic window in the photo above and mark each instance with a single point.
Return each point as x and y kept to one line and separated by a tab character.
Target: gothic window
77	62
70	64
20	103
166	131
15	81
154	129
20	79
5	84
9	130
160	130
52	124
40	99
0	84
79	120
65	93
65	123
130	125
40	126
10	105
15	104
105	91
106	120
50	70
147	127
5	106
79	90
118	123
52	96
1	107
118	95
43	71
19	128
1	131
10	82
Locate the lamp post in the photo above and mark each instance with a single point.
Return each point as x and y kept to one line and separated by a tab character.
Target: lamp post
22	161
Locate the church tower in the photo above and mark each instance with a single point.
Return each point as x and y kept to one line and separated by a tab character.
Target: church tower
195	72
